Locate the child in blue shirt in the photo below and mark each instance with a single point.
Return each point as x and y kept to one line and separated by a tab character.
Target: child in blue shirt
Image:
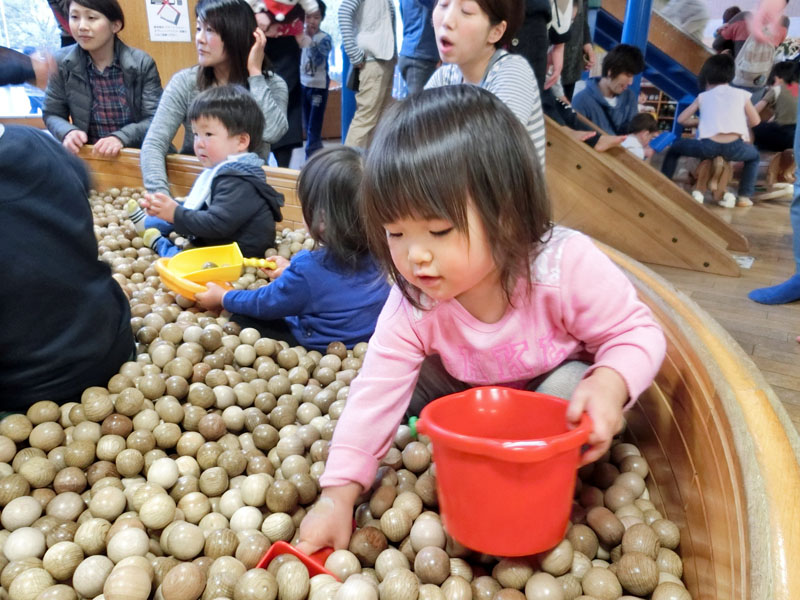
332	293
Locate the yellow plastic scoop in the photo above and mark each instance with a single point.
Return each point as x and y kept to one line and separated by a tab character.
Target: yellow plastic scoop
187	272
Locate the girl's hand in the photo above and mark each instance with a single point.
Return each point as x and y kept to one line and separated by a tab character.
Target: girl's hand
107	146
255	59
211	299
75	140
602	395
281	264
160	205
330	520
555	63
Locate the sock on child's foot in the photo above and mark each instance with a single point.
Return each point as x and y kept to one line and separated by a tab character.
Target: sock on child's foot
783	293
136	214
150	237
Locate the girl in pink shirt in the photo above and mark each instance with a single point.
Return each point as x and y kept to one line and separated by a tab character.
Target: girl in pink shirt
487	291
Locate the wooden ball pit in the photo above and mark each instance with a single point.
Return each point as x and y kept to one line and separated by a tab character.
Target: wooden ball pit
722	453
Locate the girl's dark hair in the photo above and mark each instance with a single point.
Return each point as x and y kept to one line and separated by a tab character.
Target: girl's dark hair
328	189
786	70
643	122
718	69
623	59
110	9
439	151
510	11
235	23
235	108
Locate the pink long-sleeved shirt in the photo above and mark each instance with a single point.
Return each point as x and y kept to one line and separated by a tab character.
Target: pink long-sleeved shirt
580	303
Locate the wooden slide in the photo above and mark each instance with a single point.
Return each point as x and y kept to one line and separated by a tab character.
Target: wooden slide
630	206
681	47
723	455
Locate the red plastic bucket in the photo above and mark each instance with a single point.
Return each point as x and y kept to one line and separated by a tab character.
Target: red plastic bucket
505	467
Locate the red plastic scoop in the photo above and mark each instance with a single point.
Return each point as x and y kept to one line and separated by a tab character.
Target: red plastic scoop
314	563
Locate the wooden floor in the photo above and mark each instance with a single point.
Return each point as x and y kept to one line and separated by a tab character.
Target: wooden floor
766	333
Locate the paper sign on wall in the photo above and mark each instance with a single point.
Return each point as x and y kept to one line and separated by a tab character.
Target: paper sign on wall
168	20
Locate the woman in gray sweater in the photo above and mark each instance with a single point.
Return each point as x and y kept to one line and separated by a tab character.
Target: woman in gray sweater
230	49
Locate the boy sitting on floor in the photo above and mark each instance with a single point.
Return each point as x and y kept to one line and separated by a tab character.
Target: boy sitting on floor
231	200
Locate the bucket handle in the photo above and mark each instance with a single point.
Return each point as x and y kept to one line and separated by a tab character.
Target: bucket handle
514	451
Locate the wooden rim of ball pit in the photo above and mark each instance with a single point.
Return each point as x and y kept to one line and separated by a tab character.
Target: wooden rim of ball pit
722	452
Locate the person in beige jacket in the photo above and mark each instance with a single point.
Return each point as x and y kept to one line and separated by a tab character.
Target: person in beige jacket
368	37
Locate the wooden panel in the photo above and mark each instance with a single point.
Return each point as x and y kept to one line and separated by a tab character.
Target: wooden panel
683	48
170	57
599	195
29	121
124	171
723	454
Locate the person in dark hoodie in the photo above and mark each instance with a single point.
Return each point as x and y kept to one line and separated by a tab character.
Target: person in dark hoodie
64	322
608	101
230	200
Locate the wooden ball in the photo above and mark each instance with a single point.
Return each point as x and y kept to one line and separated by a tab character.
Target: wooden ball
29	584
343	563
367	544
558	560
24	542
58	592
16	427
641	538
670	591
637	573
127	583
90	575
47	436
20	512
7	449
602	584
108	503
427	532
252	548
66	506
256	584
399	584
38	471
395	524
432	565
278	526
606	525
669	562
185	541
91	535
185	581
69	479
512	572
61	560
668	533
583	539
13	486
130	541
293	580
388	560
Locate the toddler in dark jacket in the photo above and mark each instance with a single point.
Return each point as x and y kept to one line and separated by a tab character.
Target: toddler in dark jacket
230	201
333	293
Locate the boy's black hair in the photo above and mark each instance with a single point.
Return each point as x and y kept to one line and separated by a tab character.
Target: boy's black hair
786	70
322	8
730	12
718	69
234	107
623	58
110	9
642	122
328	189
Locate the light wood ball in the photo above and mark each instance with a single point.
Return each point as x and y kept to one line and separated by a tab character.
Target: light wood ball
186	581
127	583
256	584
90	575
61	559
29	584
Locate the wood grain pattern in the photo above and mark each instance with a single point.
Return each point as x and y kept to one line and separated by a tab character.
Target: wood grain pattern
599	195
666	37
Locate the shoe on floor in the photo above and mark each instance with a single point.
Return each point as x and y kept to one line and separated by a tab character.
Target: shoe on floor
728	200
743	201
698	196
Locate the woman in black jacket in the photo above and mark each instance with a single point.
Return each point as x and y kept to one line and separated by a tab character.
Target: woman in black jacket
109	90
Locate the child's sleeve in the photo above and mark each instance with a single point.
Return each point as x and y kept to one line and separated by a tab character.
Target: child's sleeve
288	295
347	19
601	309
233	203
378	398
